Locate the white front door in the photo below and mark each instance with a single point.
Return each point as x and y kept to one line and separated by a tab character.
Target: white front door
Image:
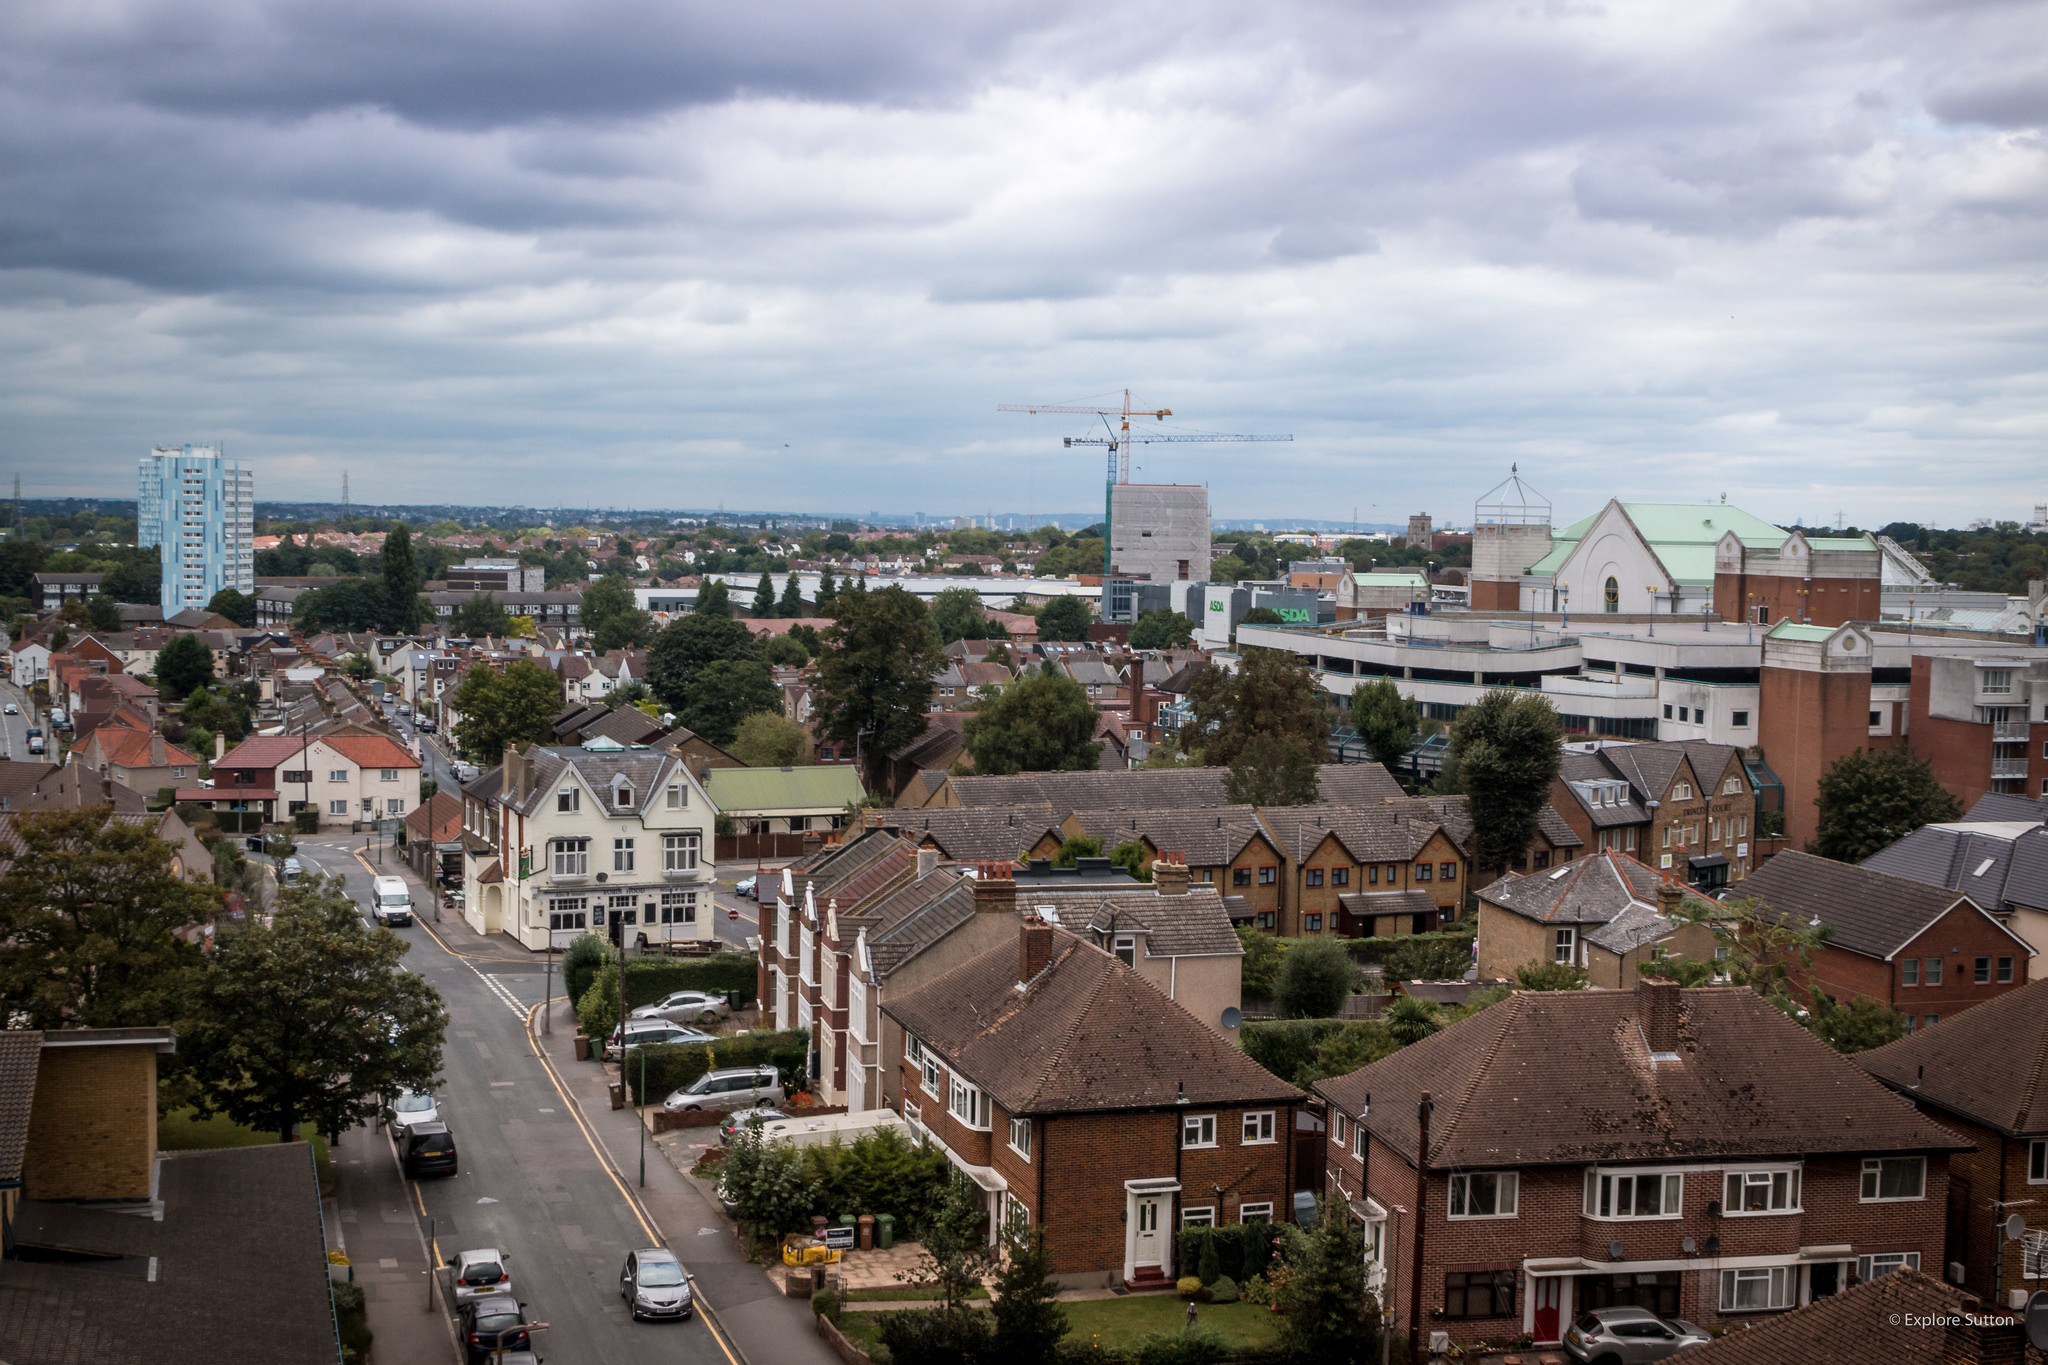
1149	1243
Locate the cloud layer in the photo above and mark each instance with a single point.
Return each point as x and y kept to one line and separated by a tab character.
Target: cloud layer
659	254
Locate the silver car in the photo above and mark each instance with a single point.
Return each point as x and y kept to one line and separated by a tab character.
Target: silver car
1627	1336
655	1285
648	1031
687	1007
480	1274
408	1107
734	1088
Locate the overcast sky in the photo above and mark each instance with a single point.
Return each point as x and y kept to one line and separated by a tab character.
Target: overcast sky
613	252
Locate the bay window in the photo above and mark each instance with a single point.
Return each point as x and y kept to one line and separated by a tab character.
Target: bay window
969	1104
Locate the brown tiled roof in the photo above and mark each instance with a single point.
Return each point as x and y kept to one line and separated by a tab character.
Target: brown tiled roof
1087	1034
18	780
20	1051
1593	890
905	920
1867	912
976	834
1748	1081
626	724
1457	817
1210	836
438	819
1391	831
1366	904
1885	1319
1191	925
1988	1063
1140	788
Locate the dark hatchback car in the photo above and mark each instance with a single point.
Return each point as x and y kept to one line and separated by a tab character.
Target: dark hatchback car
429	1150
492	1325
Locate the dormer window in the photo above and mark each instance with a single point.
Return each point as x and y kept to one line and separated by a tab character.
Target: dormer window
622	796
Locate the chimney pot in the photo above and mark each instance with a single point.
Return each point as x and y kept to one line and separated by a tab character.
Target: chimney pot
1034	948
993	892
1170	875
1657	1006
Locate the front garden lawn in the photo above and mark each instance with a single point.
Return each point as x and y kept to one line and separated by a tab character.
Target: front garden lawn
1119	1322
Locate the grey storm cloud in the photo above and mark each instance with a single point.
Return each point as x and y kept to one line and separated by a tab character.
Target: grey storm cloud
477	251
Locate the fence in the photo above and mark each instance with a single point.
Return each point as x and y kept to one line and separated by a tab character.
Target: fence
742	848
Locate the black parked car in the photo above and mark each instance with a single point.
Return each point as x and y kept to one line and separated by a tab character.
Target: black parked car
494	1324
429	1150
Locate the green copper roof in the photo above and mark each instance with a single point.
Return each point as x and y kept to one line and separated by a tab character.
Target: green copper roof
1683	535
1792	630
1843	543
827	787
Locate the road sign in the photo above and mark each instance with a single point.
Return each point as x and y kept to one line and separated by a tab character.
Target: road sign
732	914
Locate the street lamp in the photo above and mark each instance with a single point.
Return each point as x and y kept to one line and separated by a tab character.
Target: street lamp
1653	611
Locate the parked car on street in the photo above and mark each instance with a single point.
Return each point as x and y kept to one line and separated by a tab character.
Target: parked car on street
643	1032
493	1324
745	887
392	903
733	1088
655	1285
748	1118
1628	1336
480	1274
293	869
697	1007
409	1107
429	1149
12	709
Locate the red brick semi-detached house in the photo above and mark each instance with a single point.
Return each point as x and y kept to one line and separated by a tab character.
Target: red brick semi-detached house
1924	950
1084	1103
1692	1152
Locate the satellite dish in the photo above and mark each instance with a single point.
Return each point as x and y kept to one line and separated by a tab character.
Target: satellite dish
2037	1320
1233	1016
1616	1252
1688	1246
2015	1228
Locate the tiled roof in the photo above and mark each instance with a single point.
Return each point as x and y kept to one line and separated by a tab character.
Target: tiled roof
1866	912
642	769
1591	890
1190	925
122	747
367	750
1209	836
1456	814
1988	1063
1886	1319
977	833
261	751
626	724
1369	903
1999	806
20	1051
1996	864
1391	831
1747	1081
915	915
18	780
438	819
1087	1035
1141	788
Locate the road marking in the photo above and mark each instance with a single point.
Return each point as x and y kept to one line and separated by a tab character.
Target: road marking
640	1215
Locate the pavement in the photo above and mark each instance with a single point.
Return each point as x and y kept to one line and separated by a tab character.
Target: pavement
550	1175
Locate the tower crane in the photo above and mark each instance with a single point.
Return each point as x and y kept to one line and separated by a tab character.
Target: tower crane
1119	443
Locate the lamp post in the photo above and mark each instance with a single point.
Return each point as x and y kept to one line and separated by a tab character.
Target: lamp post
643	1102
1653	611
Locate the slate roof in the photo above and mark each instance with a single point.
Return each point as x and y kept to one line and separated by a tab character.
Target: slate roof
1191	925
1086	1035
1366	904
627	724
905	921
1140	788
643	769
1209	836
1999	806
18	782
1456	814
1988	1063
977	834
1866	911
1749	1082
1595	890
20	1051
1997	864
241	1271
1882	1319
854	870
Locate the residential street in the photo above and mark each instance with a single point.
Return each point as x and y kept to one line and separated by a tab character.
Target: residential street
555	1188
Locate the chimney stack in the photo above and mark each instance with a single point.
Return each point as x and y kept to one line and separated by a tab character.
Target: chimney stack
220	747
1670	895
1170	874
995	890
1657	1005
1034	948
927	862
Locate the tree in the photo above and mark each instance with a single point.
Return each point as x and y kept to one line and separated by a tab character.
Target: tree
957	614
1028	1319
1385	721
237	607
791	603
1507	748
1550	976
1162	628
1037	724
312	1018
358	666
1066	617
88	907
1074	848
874	683
1130	855
481	617
1314	979
1265	721
723	693
1411	1020
768	739
103	613
497	709
1259	970
1863	1023
184	664
689	644
785	651
629	629
1870	801
764	598
713	598
404	609
1755	945
1331	1319
827	592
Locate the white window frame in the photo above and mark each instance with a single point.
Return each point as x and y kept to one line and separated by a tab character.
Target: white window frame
1780	1288
1340	1125
1258	1129
1681	791
569	857
1255	1213
968	1103
1201	1127
1872	1180
387	774
931	1078
678	907
568	800
1200	1216
1507	1187
337	774
338	806
1564	946
678	796
1867	1266
1122	944
1020	1137
1995	682
394	805
1775	1181
624	855
682	852
622	797
1603	1191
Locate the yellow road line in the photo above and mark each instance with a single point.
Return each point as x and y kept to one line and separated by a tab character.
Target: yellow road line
639	1214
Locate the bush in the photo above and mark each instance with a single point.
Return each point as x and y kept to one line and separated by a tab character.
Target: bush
1188	1286
1550	976
597	1012
1429	957
1314	979
649	980
1224	1290
825	1304
1302	1050
670	1066
1190	1346
1378	949
1206	1269
306	820
1240	1251
352	1318
582	962
936	1336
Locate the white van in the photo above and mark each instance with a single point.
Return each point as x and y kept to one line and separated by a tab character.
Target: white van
829	1128
391	901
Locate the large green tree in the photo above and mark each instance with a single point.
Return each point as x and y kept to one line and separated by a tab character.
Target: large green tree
791	603
1039	724
1162	628
1315	976
352	604
311	1018
236	606
688	645
874	682
608	597
1506	749
725	692
482	617
183	664
404	608
104	613
517	706
1331	1319
1265	721
769	739
1066	617
957	614
88	907
1870	801
1385	721
764	597
714	598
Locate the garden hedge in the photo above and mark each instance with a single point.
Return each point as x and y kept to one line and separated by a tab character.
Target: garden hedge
670	1066
1376	949
649	979
1240	1250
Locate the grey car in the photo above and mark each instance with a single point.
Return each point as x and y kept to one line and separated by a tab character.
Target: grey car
687	1007
734	1088
641	1032
655	1285
1627	1336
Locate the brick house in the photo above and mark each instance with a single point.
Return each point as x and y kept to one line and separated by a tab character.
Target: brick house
1353	871
1081	1101
1608	914
346	775
139	759
1691	1152
1924	950
1686	806
1980	1074
976	834
1225	848
1997	855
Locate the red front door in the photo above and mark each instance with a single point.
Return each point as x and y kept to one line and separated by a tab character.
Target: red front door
1549	1299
